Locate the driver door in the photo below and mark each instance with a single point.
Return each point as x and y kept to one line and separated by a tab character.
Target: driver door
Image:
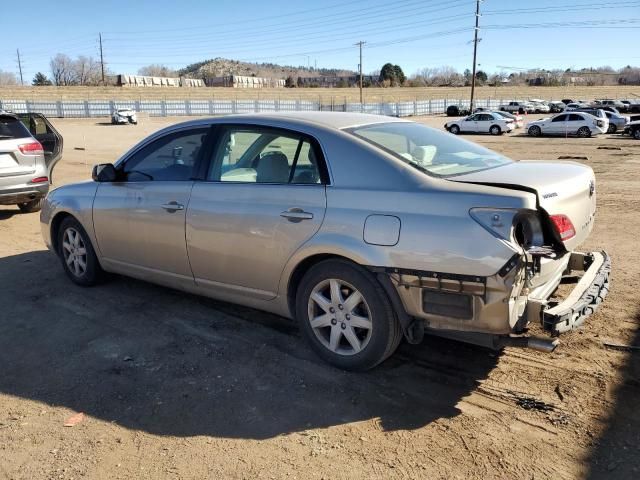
557	126
139	220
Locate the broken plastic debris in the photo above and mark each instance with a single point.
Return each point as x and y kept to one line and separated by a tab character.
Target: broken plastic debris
74	420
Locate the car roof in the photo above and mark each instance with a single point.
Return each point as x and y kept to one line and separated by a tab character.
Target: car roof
330	120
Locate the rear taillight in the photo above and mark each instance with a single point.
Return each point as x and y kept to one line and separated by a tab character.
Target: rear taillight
40	180
563	226
31	148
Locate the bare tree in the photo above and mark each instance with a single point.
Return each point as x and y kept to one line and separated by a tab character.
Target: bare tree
157	70
86	71
62	70
8	78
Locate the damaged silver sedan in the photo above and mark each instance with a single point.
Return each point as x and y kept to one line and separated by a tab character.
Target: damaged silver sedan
366	229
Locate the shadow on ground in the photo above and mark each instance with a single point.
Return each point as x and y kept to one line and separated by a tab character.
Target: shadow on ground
616	454
168	363
8	212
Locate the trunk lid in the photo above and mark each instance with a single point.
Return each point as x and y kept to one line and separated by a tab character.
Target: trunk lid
562	188
12	161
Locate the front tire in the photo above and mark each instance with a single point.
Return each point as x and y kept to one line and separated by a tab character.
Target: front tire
454	129
584	132
636	134
78	257
346	316
31	206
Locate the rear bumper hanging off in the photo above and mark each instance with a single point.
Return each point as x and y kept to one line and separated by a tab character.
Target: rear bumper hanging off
585	298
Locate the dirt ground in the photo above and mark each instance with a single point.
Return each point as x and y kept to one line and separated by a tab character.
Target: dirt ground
175	386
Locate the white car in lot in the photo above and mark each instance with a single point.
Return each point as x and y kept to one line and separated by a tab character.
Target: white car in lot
577	106
518	107
482	122
124	116
574	123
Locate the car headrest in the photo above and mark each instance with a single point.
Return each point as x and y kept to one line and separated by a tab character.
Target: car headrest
424	154
273	167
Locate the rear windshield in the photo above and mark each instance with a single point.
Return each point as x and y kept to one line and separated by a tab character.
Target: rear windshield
12	128
433	152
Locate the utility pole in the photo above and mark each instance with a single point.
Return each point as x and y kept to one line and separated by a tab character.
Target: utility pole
20	67
101	57
360	44
475	51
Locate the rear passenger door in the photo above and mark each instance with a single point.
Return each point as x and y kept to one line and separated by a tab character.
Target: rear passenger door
574	122
262	198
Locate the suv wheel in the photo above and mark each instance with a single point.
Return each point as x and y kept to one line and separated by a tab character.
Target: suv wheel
78	257
346	316
31	206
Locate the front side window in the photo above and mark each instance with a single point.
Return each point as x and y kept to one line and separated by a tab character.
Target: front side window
170	158
262	155
428	150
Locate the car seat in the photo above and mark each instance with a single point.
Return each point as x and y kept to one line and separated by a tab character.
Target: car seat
424	154
273	167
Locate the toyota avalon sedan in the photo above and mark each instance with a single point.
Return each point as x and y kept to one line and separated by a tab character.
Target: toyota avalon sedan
366	229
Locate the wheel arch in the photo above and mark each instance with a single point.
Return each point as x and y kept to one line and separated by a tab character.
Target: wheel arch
300	270
54	229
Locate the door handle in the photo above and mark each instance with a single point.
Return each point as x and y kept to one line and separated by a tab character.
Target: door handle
172	206
296	215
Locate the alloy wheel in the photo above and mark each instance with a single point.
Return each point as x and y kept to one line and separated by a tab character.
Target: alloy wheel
75	252
340	317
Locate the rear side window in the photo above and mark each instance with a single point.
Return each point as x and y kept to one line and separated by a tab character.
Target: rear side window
252	154
575	118
12	128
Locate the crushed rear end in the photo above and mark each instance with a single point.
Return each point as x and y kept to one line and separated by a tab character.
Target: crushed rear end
546	241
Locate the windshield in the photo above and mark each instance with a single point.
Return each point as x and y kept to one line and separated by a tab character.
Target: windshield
436	153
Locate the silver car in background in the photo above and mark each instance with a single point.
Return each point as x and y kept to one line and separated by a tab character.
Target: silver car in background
29	149
366	229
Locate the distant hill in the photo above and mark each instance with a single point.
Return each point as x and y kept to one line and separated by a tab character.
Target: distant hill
218	67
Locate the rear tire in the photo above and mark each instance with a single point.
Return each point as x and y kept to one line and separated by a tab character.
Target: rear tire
584	132
612	128
31	206
495	130
346	316
454	129
534	131
77	255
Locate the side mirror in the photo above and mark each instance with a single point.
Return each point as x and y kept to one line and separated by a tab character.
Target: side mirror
104	172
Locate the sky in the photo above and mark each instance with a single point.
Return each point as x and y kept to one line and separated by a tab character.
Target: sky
415	34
